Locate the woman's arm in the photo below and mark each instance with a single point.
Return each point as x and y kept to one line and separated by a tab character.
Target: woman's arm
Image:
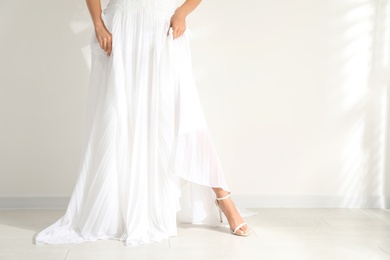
103	36
178	20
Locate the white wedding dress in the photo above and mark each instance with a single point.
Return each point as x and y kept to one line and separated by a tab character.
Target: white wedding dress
148	158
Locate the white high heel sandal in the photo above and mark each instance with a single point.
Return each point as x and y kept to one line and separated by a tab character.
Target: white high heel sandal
239	226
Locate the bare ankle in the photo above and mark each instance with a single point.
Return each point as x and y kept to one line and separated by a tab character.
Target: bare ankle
219	192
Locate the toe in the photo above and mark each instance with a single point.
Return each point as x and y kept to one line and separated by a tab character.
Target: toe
240	232
245	229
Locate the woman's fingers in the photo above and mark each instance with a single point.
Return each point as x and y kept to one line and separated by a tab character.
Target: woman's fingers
177	32
105	40
178	24
109	46
105	44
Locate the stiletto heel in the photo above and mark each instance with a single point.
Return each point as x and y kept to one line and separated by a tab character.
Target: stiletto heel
239	226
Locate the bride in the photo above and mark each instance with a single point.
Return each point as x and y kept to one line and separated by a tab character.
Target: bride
148	157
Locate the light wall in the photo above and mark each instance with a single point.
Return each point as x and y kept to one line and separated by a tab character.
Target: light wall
295	94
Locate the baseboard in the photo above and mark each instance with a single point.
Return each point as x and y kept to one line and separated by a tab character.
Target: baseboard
33	202
311	201
247	201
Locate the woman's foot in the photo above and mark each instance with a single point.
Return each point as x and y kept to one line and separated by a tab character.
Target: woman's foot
230	211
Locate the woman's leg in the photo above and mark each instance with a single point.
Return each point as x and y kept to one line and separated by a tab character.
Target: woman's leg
229	209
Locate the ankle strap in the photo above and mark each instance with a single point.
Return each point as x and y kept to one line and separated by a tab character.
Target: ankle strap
227	196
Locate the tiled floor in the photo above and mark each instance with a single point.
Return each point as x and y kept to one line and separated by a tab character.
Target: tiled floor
278	234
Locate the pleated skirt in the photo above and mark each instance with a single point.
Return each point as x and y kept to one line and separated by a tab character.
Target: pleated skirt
148	160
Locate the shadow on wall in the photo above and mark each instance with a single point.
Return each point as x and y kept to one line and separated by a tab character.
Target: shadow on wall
360	96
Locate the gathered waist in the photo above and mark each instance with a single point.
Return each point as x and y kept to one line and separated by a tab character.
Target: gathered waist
157	7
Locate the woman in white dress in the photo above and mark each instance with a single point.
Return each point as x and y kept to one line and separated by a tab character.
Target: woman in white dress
148	158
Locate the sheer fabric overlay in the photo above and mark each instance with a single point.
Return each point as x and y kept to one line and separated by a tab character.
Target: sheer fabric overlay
148	159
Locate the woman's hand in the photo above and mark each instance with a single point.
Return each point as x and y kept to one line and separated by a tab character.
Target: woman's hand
178	23
104	38
178	19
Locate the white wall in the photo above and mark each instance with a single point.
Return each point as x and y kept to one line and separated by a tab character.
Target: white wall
295	93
